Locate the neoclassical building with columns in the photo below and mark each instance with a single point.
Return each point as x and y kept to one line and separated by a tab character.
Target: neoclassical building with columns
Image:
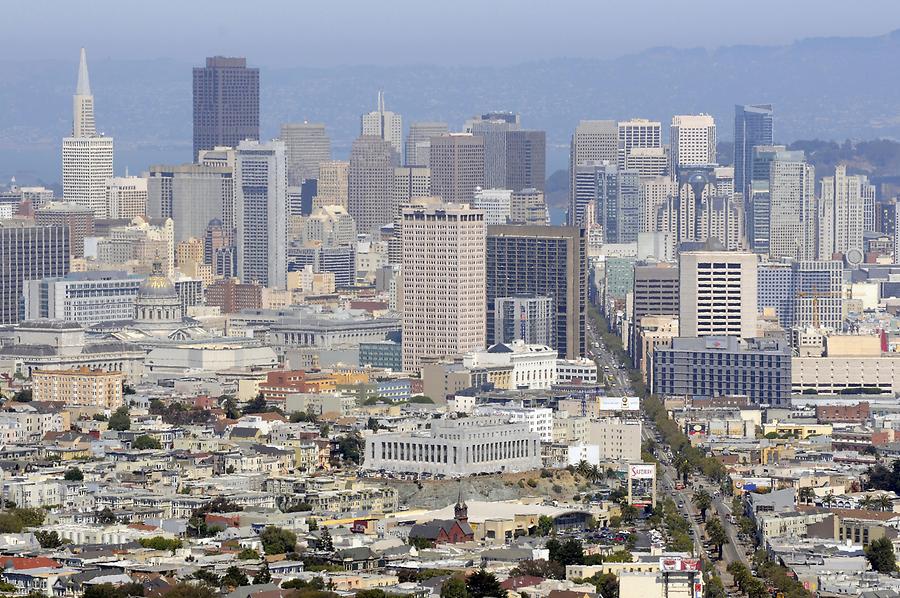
457	447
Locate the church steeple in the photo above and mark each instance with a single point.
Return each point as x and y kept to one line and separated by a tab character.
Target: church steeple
461	510
83	103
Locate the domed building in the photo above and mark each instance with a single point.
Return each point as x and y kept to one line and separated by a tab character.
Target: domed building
157	303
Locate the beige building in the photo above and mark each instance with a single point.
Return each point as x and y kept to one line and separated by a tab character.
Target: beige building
618	439
528	207
444	281
126	197
81	386
693	140
457	166
307	145
717	293
331	187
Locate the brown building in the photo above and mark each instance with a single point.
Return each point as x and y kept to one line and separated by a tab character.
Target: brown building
82	386
833	414
231	295
457	167
78	219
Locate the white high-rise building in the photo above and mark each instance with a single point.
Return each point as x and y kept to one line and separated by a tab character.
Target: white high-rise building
385	124
654	193
693	141
260	182
496	203
87	158
637	133
126	197
717	292
792	207
444	281
418	142
307	146
842	215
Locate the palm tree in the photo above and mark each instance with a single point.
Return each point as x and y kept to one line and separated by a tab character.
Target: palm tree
703	501
595	474
806	495
717	535
866	502
683	467
828	500
583	468
885	503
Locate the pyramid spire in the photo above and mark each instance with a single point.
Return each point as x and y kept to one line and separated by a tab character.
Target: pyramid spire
83	88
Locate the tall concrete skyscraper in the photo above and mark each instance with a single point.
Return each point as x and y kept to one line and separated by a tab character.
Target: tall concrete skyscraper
384	124
792	207
331	186
370	182
418	142
192	195
307	146
717	292
457	166
526	160
443	281
547	261
260	180
28	252
494	132
637	133
753	126
592	141
616	197
226	103
692	140
842	215
87	158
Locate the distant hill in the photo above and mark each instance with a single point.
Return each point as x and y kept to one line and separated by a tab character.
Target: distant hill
823	88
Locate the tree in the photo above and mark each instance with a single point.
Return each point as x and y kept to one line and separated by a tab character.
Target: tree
570	552
23	396
350	447
48	539
276	540
629	513
234	578
717	535
128	390
885	503
702	501
607	584
539	568
806	495
248	554
714	588
372	424
263	575
73	474
102	590
145	442
120	420
880	554
256	405
454	587
544	525
190	590
619	556
208	577
106	516
160	543
325	542
483	584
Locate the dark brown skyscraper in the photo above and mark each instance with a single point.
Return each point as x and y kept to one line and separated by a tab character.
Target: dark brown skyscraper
526	160
226	103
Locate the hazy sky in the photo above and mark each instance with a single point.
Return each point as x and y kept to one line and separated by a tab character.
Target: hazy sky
321	33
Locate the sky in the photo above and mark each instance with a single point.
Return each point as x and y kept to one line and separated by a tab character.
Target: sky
281	33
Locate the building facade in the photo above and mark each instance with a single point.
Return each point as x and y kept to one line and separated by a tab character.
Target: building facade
226	104
82	386
28	253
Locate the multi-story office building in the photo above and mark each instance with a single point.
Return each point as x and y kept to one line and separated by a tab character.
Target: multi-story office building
339	260
528	319
307	145
526	160
753	126
87	158
28	252
384	354
332	184
724	366
79	220
792	207
226	104
418	141
637	133
443	281
717	292
232	296
370	182
457	448
692	141
616	195
528	207
842	215
192	195
84	297
126	197
654	193
457	166
648	161
384	124
81	386
594	141
494	134
496	203
655	289
803	293
409	182
546	261
618	439
538	419
261	213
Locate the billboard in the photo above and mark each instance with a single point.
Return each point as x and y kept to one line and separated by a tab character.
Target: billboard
752	484
641	471
620	403
677	564
695	429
